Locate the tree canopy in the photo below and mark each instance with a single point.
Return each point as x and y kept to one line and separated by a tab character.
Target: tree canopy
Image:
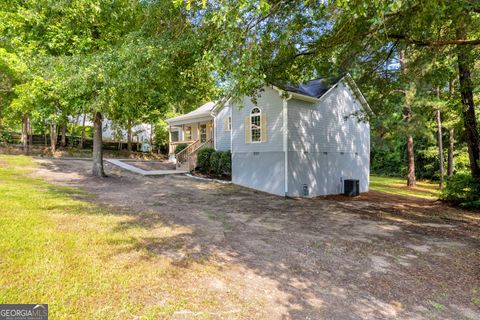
136	61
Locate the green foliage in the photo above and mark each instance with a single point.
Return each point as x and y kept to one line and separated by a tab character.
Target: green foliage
462	161
133	61
161	131
203	159
161	135
180	147
5	137
463	190
225	166
294	41
215	163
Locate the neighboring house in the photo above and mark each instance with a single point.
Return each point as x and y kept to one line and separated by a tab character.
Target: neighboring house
112	132
294	141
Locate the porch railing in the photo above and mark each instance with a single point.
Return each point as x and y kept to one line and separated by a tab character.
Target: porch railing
173	145
182	156
188	156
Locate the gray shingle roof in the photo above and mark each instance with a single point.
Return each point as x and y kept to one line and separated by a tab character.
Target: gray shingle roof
314	88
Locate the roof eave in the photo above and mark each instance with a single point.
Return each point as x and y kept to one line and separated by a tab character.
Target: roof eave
298	96
353	85
303	97
225	101
184	117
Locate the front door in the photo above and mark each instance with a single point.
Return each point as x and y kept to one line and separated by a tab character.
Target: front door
203	133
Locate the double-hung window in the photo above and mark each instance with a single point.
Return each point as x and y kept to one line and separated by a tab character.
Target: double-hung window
256	125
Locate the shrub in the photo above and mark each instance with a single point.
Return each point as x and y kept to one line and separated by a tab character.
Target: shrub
203	159
463	190
226	163
215	163
180	147
5	137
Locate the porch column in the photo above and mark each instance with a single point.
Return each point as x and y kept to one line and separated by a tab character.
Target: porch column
170	147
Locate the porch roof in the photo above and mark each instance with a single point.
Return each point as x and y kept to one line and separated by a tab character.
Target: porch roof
200	114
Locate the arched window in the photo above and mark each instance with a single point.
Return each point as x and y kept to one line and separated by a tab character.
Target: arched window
256	125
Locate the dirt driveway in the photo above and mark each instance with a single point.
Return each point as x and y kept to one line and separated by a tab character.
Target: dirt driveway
376	257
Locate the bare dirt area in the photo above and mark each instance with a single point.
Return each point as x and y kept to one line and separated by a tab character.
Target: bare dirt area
374	257
152	165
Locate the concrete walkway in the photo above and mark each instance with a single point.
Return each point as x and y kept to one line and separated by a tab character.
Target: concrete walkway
134	169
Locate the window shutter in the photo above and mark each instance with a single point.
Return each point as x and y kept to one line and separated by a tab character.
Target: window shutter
264	127
247	129
225	124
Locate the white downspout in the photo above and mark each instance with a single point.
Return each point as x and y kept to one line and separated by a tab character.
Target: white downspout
285	139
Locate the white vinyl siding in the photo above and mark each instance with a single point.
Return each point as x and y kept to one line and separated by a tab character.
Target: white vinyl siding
260	170
327	144
323	128
222	136
270	103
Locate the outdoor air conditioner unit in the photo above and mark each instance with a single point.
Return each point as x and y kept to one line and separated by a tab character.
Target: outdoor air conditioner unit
351	187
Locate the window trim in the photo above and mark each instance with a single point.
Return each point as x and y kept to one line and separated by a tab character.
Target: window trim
259	114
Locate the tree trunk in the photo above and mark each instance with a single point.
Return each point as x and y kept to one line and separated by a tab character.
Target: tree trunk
97	169
72	132
80	144
53	136
468	112
411	181
64	134
440	146
407	112
129	136
451	141
24	138
29	132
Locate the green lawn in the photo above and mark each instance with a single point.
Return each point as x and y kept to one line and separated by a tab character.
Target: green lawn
398	186
90	263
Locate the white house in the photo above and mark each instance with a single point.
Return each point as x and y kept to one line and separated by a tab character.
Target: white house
112	132
294	141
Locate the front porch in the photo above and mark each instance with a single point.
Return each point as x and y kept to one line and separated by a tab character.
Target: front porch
196	130
189	133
